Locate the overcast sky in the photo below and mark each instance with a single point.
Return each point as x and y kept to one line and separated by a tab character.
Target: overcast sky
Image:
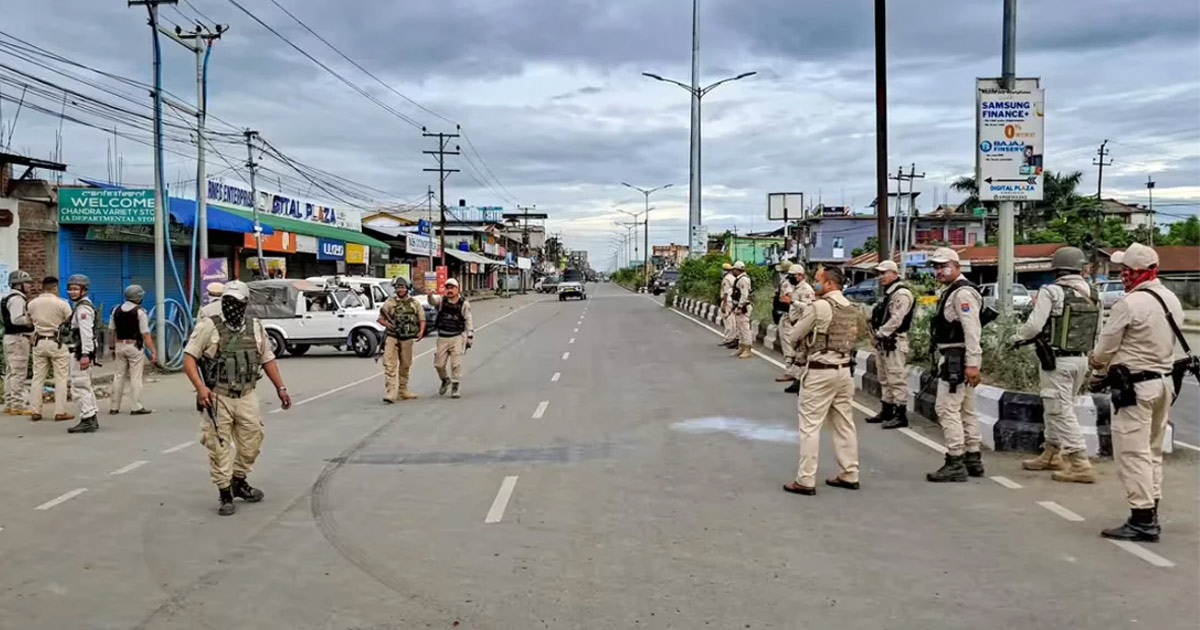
550	93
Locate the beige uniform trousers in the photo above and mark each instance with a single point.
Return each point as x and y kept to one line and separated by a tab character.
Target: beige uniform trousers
16	358
827	395
745	337
240	427
397	360
956	413
1137	438
785	327
48	353
131	362
450	350
892	369
729	322
1059	388
82	389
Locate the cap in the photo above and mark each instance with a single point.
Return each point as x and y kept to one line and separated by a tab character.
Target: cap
237	289
451	282
727	266
1136	256
887	265
739	265
784	266
797	269
216	289
943	255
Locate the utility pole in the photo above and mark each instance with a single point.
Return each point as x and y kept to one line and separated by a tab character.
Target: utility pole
906	230
1099	162
429	210
895	226
443	173
694	169
1007	242
881	132
253	166
1150	191
160	198
204	39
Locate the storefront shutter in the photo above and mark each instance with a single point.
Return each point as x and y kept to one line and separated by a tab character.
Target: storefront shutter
100	262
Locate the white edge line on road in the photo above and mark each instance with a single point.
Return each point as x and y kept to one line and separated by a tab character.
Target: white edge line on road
61	499
506	489
557	375
541	409
378	374
1006	482
572	340
1061	511
923	440
566	355
178	447
1190	447
1143	553
133	466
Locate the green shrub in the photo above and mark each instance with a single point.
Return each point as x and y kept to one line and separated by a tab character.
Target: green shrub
1003	367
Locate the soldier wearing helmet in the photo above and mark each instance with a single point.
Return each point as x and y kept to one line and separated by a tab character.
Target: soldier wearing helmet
50	316
83	348
404	318
130	328
1065	320
18	333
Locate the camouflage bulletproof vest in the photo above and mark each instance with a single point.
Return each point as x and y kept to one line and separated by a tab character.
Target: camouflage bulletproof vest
1075	330
405	320
842	331
237	363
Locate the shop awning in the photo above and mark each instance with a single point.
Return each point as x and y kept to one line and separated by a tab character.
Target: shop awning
184	211
472	257
308	228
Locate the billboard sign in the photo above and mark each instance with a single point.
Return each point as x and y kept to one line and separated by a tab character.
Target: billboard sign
329	249
418	245
1009	140
785	206
105	207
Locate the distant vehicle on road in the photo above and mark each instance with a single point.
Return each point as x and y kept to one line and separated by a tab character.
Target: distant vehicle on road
865	291
664	281
1111	293
549	284
571	288
1022	300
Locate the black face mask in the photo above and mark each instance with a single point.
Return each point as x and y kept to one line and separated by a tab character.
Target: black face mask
233	311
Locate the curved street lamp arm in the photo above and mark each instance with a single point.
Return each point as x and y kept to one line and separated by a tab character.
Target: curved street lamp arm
739	77
659	78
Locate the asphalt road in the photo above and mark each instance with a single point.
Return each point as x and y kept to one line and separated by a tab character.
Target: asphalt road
607	467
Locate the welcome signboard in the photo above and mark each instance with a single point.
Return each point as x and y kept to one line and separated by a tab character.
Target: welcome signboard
105	207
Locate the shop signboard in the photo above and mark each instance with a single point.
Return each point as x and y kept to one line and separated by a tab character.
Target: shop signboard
329	249
276	266
105	207
397	270
212	270
443	273
430	280
280	241
418	245
424	226
284	205
1009	140
524	263
356	254
306	244
138	233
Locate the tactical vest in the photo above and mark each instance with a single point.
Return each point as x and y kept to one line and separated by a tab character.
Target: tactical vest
450	320
842	331
405	320
736	295
1075	330
76	333
941	330
879	315
9	327
127	325
236	368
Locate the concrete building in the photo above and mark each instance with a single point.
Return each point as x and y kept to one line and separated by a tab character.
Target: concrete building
670	255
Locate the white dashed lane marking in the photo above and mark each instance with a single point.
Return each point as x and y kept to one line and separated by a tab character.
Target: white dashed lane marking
130	467
541	409
572	340
1061	511
61	499
506	489
1143	553
566	355
1006	482
557	375
178	447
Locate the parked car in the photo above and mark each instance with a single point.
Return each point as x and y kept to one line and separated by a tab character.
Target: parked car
376	291
298	314
1022	300
549	284
1111	293
865	291
664	281
571	288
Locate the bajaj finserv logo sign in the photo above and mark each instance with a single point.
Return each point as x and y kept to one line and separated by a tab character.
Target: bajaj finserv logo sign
329	249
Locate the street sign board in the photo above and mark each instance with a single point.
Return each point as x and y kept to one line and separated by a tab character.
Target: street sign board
1009	140
698	243
105	207
785	206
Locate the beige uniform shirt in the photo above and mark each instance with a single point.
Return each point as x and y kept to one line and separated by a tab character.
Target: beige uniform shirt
802	297
211	309
898	308
84	319
785	289
1048	302
470	321
816	320
726	286
742	282
1137	334
47	312
964	306
205	340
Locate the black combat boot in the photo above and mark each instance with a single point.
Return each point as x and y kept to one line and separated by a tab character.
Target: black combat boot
974	464
899	418
227	507
86	425
886	413
1142	526
243	490
445	387
953	470
794	388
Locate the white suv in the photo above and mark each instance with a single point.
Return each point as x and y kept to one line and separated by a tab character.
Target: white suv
297	315
375	291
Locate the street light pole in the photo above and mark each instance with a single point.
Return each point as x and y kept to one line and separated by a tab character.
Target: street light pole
695	165
646	194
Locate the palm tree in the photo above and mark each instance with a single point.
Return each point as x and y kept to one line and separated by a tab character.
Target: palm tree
966	185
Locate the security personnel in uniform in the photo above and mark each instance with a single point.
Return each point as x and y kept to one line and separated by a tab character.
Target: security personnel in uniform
51	319
1064	321
18	333
801	299
739	298
1138	343
83	347
234	349
130	328
727	319
781	307
829	330
456	333
955	332
213	307
404	319
890	321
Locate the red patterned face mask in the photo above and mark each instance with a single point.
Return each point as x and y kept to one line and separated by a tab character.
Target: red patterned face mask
1131	278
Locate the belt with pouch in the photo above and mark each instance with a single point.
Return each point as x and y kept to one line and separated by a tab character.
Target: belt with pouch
51	337
817	365
1064	353
1142	377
